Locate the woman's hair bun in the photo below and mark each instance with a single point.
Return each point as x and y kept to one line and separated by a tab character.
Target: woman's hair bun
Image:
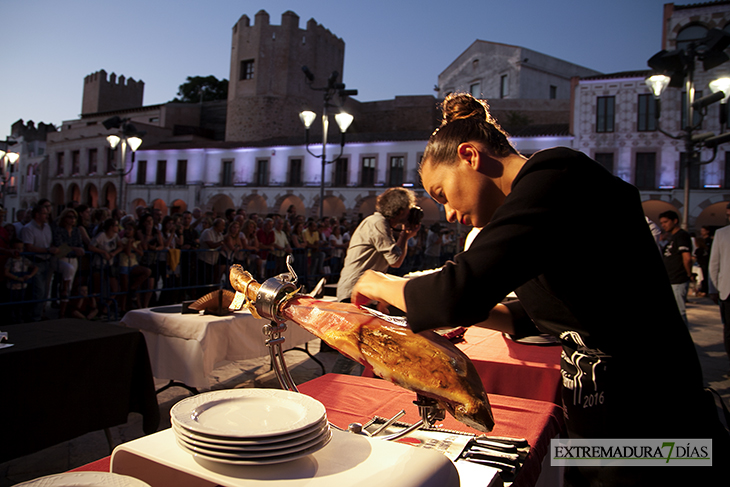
458	106
465	119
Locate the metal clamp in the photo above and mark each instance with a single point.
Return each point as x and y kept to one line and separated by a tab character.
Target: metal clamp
274	291
270	296
429	410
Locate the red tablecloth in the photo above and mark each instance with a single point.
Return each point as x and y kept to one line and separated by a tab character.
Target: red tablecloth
513	369
101	465
351	399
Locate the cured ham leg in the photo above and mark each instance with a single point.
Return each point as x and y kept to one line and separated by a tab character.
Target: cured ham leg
425	363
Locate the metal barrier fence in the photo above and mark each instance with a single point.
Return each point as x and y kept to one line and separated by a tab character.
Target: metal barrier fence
112	286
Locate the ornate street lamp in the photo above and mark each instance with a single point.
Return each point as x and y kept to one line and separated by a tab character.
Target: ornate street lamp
343	122
676	69
722	85
128	136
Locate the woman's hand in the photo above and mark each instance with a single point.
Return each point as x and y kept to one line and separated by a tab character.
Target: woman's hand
383	288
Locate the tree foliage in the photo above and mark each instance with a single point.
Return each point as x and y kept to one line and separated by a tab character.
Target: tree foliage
207	87
517	120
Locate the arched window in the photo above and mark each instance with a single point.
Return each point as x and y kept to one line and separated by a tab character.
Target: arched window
689	34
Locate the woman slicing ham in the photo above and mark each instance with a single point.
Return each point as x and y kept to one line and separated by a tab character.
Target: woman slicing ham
630	370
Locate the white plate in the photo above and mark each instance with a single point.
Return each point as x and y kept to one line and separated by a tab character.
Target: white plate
260	461
243	442
250	455
228	440
247	413
198	440
85	479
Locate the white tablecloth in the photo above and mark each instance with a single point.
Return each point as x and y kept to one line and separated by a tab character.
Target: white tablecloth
187	347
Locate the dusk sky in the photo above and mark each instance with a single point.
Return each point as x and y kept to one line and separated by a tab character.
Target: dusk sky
392	47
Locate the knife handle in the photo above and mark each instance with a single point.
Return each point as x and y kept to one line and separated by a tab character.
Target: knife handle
495	445
518	442
495	454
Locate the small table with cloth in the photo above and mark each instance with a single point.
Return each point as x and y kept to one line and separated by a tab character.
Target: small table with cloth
187	347
64	378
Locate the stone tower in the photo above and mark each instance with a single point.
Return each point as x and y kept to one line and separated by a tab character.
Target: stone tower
102	95
267	87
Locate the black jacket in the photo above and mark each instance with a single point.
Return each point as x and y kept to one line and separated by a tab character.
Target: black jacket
572	241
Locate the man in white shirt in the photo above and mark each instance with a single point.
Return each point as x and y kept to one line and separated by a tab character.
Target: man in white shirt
211	239
281	246
719	269
38	238
373	245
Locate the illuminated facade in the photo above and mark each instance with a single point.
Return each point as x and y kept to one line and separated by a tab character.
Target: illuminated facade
81	166
614	122
23	183
268	179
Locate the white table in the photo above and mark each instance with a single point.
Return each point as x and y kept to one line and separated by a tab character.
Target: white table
186	348
348	460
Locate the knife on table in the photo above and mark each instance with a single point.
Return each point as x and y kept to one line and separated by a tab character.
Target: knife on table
499	456
517	442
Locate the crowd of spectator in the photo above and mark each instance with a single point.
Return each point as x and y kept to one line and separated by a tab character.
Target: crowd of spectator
96	263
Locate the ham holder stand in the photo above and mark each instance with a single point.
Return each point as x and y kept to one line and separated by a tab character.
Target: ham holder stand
270	297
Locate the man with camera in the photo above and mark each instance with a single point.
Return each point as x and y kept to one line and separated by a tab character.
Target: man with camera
373	244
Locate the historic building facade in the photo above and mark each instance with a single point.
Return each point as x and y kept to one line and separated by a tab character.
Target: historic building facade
496	71
81	165
24	181
264	165
269	179
254	154
266	89
614	122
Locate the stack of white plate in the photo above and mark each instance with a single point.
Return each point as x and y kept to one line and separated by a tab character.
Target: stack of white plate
250	426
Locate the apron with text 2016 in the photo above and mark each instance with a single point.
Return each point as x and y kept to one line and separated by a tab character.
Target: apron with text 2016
587	392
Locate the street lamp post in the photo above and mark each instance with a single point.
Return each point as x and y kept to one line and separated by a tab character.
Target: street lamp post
7	160
676	69
343	122
129	137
